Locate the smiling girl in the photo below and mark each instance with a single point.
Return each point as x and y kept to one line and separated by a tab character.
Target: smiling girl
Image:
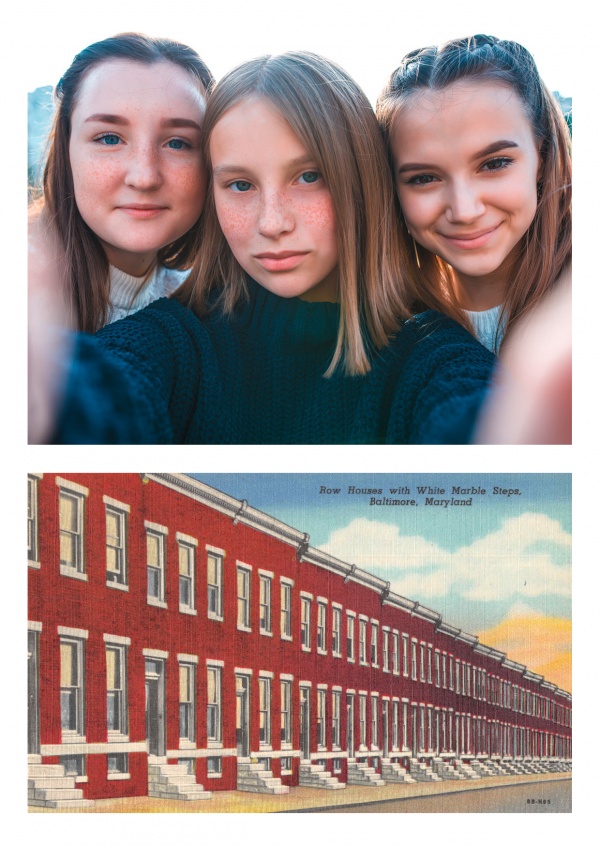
481	160
124	182
292	325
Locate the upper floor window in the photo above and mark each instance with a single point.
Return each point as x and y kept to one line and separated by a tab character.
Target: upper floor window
286	610
305	622
186	550
243	597
336	631
214	581
362	641
386	650
405	654
413	662
265	603
116	544
71	522
32	519
155	558
374	643
321	624
350	636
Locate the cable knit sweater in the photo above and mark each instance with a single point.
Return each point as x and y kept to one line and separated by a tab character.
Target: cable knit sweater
128	294
163	375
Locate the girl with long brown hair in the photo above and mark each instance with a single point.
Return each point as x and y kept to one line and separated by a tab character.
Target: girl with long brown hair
480	153
124	181
293	325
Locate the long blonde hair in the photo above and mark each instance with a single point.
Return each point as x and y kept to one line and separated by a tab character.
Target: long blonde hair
334	120
546	247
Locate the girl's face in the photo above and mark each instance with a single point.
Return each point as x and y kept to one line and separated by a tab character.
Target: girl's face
466	168
273	205
138	172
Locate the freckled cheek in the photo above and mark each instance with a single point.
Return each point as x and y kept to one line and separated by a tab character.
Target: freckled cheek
319	217
236	223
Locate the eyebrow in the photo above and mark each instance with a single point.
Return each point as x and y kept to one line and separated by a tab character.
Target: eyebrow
119	120
495	147
291	165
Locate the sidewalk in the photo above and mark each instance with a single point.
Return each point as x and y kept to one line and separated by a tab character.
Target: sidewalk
299	798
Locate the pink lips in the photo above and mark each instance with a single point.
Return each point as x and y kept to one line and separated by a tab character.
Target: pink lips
285	260
472	240
142	211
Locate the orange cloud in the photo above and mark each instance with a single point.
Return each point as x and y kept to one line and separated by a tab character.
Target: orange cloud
543	644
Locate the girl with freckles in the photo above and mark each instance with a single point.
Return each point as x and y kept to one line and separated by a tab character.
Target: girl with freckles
124	181
480	153
293	325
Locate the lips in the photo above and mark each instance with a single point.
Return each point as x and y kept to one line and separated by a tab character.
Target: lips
471	240
142	211
284	260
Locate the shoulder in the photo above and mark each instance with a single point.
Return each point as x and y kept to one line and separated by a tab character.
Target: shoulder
168	279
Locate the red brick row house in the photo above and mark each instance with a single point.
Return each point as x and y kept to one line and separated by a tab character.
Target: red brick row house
182	642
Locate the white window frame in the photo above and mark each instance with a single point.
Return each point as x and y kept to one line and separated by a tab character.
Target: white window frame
374	648
405	671
429	662
336	630
118	576
362	721
285	691
185	542
305	614
76	568
160	533
285	615
395	652
385	649
187	701
243	577
438	669
321	626
265	591
350	634
214	588
413	659
321	717
119	692
214	708
33	547
374	721
336	715
362	640
76	688
264	711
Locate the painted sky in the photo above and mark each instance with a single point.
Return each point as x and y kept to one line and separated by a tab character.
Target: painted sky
499	567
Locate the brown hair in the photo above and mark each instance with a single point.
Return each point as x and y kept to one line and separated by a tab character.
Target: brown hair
546	246
334	120
87	277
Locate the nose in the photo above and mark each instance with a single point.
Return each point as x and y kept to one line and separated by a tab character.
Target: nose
144	172
464	203
275	216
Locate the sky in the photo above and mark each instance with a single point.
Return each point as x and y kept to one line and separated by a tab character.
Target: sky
367	39
498	566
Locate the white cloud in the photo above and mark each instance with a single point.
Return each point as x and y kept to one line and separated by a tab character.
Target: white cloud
513	561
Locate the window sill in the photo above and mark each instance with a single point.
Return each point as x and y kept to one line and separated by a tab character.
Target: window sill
287	637
266	633
184	609
218	618
214	775
351	661
156	603
35	565
321	651
118	777
117	586
72	573
185	743
242	628
306	648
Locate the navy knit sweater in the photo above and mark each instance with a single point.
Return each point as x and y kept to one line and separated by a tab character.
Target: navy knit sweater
163	375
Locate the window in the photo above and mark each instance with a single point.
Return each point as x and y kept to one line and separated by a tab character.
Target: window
72	692
264	602
336	709
286	610
444	656
116	689
422	662
437	670
32	520
396	653
451	672
457	666
286	712
305	623
264	699
71	521
429	674
187	575
243	597
116	534
362	720
386	651
395	724
214	582
405	725
321	717
405	654
117	764
336	631
214	727
413	656
187	702
321	630
214	766
375	721
374	643
350	636
362	640
155	556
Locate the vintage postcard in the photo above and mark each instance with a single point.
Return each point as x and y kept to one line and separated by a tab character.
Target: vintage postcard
240	643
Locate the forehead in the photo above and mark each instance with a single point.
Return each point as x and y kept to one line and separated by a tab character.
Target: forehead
131	85
255	125
464	115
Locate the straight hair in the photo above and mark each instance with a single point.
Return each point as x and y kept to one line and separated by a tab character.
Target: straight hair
88	280
334	120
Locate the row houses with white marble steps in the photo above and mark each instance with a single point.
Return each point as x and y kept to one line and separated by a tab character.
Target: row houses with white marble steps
395	773
360	773
254	777
422	772
315	775
173	781
49	787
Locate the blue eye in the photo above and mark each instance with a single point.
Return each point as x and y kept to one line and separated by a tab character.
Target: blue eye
109	139
178	144
241	186
310	177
